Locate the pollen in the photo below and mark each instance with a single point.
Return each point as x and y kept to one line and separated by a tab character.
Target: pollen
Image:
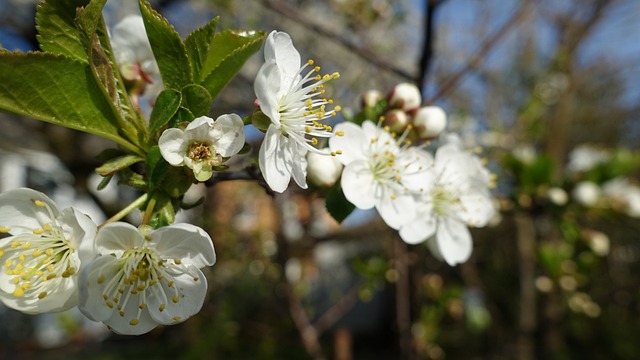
101	279
340	133
42	295
39	203
177	318
175	299
4	229
162	307
133	322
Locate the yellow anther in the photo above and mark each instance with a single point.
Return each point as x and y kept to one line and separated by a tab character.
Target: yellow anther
121	313
333	153
162	307
133	322
170	283
316	69
177	261
339	152
49	252
307	129
16	280
148	238
134	292
19	267
36	253
39	203
153	282
104	296
177	318
4	229
18	292
22	258
330	101
318	77
310	62
39	273
196	278
110	304
101	279
340	133
141	287
393	197
314	141
326	78
335	75
116	300
50	276
142	305
42	295
337	108
47	227
14	244
175	299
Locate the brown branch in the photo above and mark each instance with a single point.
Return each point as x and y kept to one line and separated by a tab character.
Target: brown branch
337	311
301	320
427	47
487	46
526	237
403	298
365	54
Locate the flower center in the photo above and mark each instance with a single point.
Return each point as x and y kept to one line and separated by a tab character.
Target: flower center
203	152
140	270
37	263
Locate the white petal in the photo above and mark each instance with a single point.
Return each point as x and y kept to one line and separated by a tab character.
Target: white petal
279	48
81	231
121	324
358	185
228	130
20	214
186	242
189	285
115	238
198	130
92	304
297	163
172	146
476	209
396	209
267	87
454	241
352	144
418	230
272	159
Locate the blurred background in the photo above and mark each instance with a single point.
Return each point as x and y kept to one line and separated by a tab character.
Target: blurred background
548	90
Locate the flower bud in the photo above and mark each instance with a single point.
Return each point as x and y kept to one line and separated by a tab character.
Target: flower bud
586	193
371	98
429	121
405	96
397	120
323	170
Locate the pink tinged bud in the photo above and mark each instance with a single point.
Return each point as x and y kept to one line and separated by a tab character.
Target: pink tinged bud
323	170
397	120
405	96
371	98
429	122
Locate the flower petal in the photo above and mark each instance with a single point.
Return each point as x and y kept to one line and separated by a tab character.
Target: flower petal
453	241
418	230
267	86
116	238
81	231
273	160
297	163
94	277
358	185
396	209
352	143
279	48
172	146
228	130
186	242
20	214
476	209
189	287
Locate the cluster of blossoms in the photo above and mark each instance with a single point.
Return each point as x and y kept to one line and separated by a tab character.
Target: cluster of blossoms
128	278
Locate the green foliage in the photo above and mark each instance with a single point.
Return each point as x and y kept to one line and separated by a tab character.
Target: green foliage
118	164
166	106
198	47
57	30
168	49
338	205
58	90
197	99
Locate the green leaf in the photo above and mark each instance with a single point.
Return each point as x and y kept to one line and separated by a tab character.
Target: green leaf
197	99
168	49
182	116
156	168
197	44
167	104
120	163
90	17
57	90
337	204
164	213
227	53
105	181
57	31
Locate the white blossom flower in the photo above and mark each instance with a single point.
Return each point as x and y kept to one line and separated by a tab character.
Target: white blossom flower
294	104
44	252
405	96
379	172
203	144
323	170
140	281
456	196
585	157
133	53
558	196
586	193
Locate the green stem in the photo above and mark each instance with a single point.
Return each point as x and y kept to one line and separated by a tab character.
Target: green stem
149	211
124	212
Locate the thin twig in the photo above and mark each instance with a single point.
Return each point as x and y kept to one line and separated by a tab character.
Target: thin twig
427	47
403	298
365	54
487	46
337	311
301	320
